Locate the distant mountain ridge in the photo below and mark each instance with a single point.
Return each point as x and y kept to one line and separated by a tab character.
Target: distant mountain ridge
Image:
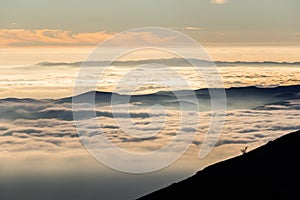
248	89
166	61
237	98
271	171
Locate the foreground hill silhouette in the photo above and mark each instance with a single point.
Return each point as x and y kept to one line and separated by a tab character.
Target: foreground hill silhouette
270	171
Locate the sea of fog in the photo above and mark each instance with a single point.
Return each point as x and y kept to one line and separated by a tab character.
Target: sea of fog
57	80
42	156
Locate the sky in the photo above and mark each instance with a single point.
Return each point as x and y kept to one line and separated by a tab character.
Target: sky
42	23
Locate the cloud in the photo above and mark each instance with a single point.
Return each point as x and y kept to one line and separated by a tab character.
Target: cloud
189	28
218	1
49	37
44	129
142	37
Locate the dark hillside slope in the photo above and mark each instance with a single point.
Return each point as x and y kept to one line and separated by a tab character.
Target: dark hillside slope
270	171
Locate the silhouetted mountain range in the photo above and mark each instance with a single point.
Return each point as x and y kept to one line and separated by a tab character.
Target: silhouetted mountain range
237	97
271	171
165	61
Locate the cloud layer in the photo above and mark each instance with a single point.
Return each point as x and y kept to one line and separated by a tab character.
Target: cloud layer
46	37
47	126
50	37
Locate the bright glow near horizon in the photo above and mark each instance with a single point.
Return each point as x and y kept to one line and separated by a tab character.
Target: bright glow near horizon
30	56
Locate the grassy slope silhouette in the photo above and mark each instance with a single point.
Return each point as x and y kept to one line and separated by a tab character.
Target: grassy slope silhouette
270	171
